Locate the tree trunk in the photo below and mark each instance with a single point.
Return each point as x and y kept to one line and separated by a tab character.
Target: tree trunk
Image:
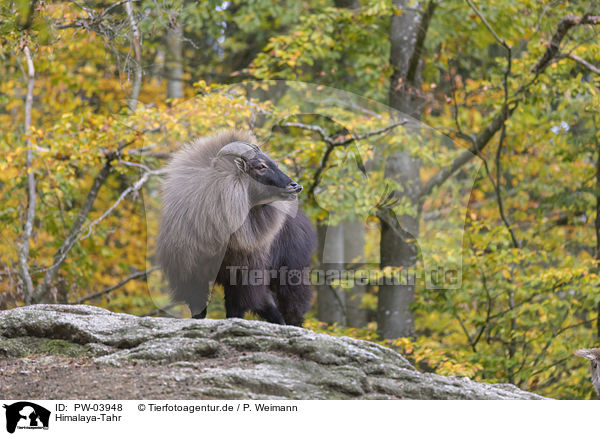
407	35
394	318
174	60
354	252
337	305
24	245
330	301
405	83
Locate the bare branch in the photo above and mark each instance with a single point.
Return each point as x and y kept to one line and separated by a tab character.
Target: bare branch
132	189
75	230
594	69
310	127
564	26
489	27
72	237
479	144
31	192
154	154
117	4
94	19
319	171
59	259
486	323
484	137
332	143
497	185
464	329
138	275
136	41
369	134
499	200
324	159
134	165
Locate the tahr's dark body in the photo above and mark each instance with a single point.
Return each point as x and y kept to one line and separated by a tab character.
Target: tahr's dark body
283	297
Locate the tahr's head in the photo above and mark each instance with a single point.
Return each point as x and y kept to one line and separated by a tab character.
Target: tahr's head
267	183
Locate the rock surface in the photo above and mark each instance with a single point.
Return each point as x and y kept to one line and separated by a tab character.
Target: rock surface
59	351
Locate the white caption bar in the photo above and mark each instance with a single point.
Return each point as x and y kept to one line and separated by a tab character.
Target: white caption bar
284	418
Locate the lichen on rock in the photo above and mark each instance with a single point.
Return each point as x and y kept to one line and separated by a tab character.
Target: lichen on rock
226	359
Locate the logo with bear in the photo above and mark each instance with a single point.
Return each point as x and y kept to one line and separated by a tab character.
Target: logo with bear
26	415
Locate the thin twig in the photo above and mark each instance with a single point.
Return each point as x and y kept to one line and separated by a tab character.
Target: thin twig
94	18
464	329
563	27
488	311
498	189
489	27
381	131
311	127
594	69
484	137
134	276
132	189
507	72
332	143
72	237
117	4
134	164
479	144
550	341
507	224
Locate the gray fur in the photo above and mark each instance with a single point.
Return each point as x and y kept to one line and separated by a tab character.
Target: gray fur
205	201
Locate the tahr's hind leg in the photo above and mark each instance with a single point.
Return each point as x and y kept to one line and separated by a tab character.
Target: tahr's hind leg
263	304
271	313
293	302
240	299
233	309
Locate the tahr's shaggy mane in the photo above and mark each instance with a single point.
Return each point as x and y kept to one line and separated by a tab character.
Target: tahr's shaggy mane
227	204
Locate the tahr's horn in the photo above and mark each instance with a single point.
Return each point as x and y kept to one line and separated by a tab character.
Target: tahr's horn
238	148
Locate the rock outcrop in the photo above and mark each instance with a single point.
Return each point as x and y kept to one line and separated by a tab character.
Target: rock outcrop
59	351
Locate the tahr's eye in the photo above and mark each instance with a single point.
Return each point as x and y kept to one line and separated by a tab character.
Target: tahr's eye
262	166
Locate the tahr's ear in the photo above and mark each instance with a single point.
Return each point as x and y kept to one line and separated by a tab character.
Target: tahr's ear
241	164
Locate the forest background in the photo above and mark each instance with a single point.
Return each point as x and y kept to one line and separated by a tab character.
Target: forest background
502	104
